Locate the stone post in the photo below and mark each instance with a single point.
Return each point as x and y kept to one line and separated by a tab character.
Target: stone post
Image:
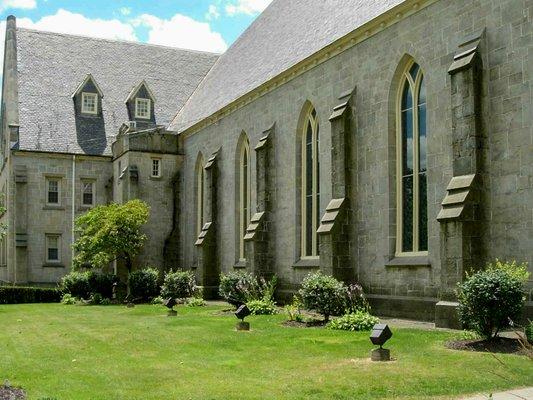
460	216
256	240
208	261
335	228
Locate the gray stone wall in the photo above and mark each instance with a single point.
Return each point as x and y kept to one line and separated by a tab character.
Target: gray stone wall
431	38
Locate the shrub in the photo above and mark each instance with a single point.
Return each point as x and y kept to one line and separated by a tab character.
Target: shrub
143	284
491	300
22	295
262	307
102	283
355	299
323	294
195	302
76	284
529	331
293	310
68	299
358	321
234	286
178	285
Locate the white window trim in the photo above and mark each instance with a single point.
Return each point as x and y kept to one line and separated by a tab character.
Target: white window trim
47	191
93	185
309	119
138	100
85	110
244	189
159	172
48	236
407	80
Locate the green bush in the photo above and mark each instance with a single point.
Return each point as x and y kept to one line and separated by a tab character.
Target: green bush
355	299
102	283
234	287
529	331
492	300
178	285
262	307
68	299
195	302
143	284
76	284
294	310
323	294
22	295
358	321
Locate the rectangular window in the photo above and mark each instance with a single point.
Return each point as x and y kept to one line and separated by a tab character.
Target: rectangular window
89	103
156	168
142	108
52	248
52	191
87	193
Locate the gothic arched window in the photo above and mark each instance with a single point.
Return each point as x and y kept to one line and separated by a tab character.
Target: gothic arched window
310	185
412	224
199	194
244	194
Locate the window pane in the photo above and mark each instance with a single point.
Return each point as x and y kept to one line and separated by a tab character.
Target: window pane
53	192
309	161
423	218
422	139
407	213
407	97
308	226
414	71
407	142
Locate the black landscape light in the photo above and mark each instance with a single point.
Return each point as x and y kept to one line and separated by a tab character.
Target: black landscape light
380	334
170	303
241	313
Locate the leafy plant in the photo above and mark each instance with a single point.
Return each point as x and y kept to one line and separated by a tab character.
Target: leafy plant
102	283
68	299
294	310
143	284
178	285
358	321
23	295
76	284
195	302
491	300
110	232
241	287
529	331
262	307
355	299
323	294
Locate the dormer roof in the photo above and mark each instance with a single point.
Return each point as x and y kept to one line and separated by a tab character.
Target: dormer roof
136	89
88	78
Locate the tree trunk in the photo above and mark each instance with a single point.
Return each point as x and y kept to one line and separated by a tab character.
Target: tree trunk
129	266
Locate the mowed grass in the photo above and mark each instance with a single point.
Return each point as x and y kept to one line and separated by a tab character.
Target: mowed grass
114	353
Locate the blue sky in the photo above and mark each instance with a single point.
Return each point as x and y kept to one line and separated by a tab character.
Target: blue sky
209	25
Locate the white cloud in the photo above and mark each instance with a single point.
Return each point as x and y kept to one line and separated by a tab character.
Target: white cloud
249	7
212	13
182	31
21	4
125	10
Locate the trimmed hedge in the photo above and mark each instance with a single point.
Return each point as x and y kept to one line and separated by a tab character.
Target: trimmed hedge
22	295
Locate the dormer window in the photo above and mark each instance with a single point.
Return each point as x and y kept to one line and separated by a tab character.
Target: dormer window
142	108
89	103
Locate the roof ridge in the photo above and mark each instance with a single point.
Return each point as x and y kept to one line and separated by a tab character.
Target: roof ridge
132	42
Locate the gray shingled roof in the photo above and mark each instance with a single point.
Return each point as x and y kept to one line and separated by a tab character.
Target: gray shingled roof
51	66
287	32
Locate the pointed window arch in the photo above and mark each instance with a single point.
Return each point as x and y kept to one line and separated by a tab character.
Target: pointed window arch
199	194
411	145
244	193
310	190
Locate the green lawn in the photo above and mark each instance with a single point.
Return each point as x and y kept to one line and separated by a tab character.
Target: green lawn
114	353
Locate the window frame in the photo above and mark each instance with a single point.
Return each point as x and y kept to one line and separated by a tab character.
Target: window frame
85	95
200	177
315	192
407	79
139	100
93	192
48	237
47	186
244	195
159	167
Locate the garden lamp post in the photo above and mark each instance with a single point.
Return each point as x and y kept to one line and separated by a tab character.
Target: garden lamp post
380	334
170	303
241	313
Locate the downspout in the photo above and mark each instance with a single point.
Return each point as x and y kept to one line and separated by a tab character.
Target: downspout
73	210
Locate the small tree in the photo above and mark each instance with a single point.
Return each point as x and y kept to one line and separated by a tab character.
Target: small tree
324	294
111	232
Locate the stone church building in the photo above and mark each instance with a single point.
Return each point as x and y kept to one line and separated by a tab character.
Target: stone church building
387	142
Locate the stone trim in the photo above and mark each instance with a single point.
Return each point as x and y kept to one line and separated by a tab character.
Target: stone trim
459	191
414	261
307	263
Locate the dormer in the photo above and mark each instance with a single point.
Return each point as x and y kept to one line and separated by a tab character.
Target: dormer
88	98
140	104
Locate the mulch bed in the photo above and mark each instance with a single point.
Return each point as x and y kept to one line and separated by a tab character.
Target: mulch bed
498	345
10	393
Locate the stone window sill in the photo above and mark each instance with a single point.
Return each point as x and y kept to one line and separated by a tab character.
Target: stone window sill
52	207
240	264
85	207
305	263
53	265
156	178
409	262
